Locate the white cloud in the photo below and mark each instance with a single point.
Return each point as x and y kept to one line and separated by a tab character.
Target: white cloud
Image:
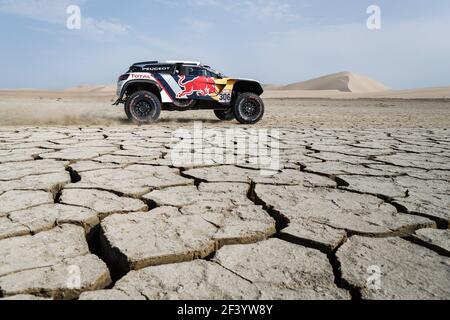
50	11
269	10
54	12
207	2
264	10
103	27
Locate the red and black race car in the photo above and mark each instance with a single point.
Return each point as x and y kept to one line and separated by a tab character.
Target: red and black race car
149	87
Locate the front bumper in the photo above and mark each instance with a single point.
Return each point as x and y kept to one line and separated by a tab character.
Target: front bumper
120	85
119	92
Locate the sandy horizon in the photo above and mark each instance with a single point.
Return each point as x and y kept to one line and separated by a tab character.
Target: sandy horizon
341	85
341	100
69	109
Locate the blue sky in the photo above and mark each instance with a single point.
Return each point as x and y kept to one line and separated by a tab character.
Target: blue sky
274	41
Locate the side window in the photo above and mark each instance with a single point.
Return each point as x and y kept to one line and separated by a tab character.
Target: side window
183	70
197	72
194	71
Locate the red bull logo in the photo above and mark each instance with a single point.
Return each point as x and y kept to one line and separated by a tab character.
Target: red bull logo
202	86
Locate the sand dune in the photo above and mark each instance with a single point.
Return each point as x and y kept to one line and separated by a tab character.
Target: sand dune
271	86
92	89
426	93
337	82
343	85
342	81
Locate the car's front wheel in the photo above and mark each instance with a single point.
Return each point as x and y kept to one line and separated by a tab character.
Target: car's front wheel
143	107
224	115
248	108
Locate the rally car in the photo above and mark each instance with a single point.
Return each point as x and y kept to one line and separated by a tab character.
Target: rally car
149	87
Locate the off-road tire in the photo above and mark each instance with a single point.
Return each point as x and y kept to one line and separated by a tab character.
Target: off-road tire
248	108
126	107
143	107
224	115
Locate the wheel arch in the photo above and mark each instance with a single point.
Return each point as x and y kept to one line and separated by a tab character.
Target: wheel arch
241	86
141	85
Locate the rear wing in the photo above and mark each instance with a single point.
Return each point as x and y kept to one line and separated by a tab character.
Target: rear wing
152	67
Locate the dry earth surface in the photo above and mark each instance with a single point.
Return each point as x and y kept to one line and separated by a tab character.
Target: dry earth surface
363	185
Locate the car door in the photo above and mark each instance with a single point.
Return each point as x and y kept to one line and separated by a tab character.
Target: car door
196	83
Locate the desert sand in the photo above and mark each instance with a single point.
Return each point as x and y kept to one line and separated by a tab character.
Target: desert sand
441	93
341	100
283	108
347	85
342	81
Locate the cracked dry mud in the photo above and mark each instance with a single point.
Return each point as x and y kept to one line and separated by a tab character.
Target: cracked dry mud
110	203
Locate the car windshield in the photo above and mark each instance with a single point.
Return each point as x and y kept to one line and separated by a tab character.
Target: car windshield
197	72
214	74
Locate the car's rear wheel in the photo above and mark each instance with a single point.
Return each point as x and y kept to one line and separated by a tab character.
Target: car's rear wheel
248	108
224	115
143	107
